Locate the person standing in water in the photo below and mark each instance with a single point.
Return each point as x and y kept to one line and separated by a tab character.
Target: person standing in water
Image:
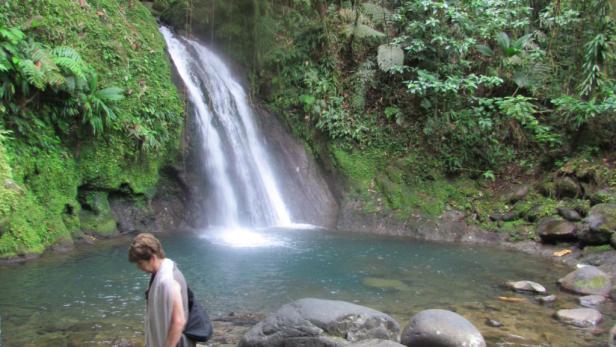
166	310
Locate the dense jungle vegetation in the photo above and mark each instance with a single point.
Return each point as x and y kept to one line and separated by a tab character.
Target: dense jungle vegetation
429	104
88	108
422	105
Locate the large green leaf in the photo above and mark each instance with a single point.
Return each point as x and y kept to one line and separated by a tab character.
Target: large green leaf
390	56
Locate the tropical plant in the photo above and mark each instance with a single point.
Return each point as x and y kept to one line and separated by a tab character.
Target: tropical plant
32	74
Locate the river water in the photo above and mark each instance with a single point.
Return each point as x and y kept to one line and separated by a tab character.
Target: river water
92	295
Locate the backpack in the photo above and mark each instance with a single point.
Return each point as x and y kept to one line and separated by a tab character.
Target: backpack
198	326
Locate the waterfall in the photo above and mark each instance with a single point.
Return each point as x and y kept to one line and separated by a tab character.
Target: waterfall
242	186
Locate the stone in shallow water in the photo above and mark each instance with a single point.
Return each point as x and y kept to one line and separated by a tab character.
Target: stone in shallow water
441	328
493	323
587	280
526	286
591	300
580	317
317	322
546	299
385	283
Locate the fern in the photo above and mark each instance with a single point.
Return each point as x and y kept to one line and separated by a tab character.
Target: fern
362	31
69	61
32	73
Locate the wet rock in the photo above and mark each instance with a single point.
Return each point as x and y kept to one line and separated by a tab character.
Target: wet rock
580	317
493	323
441	328
569	214
526	286
317	322
591	300
612	339
517	193
552	230
587	280
375	343
533	214
546	299
605	217
567	187
599	225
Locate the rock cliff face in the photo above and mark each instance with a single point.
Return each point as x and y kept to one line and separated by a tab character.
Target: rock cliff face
308	190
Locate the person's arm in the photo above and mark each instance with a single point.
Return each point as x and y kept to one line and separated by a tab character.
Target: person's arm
178	321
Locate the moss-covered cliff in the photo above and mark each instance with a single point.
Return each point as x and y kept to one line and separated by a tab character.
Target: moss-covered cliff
54	156
424	107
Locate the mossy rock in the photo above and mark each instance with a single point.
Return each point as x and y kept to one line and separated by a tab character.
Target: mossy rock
606	214
587	280
547	188
603	196
101	225
567	187
95	201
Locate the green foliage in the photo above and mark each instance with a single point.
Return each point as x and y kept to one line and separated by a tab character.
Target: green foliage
87	95
33	74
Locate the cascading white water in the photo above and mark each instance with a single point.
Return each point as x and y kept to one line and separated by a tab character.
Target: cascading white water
243	188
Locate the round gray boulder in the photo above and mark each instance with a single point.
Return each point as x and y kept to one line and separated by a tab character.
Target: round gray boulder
599	225
569	214
587	280
375	343
320	323
591	300
553	230
441	328
580	317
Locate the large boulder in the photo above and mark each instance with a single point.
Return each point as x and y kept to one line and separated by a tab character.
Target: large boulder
567	187
569	214
320	323
517	193
552	230
580	317
587	280
607	214
599	225
441	328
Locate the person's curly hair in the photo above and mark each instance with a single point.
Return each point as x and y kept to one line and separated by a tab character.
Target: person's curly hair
143	247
